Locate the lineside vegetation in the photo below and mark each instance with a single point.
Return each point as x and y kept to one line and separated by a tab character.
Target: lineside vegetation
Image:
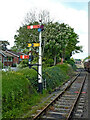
19	89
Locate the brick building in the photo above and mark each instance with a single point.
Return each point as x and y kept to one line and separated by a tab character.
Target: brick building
8	58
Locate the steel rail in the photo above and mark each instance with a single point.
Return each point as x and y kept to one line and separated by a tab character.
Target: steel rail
55	99
75	102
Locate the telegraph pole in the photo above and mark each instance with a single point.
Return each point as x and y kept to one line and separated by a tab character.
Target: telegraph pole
40	86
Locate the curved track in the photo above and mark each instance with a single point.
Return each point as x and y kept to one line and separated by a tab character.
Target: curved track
62	106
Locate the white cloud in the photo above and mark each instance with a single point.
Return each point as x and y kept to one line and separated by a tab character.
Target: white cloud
12	13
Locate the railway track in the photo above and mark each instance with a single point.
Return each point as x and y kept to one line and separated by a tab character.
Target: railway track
62	106
81	109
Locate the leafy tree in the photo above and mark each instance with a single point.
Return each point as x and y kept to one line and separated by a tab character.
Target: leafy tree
58	40
61	41
25	36
52	46
33	15
86	58
4	44
69	40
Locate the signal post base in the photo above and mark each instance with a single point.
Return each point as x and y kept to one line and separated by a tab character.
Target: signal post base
40	88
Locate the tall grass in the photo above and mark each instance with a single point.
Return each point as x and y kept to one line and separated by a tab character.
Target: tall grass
16	90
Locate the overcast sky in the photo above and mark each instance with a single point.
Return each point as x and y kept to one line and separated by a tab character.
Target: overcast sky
74	13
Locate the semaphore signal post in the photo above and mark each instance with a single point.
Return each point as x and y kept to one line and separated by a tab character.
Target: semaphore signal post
40	86
40	28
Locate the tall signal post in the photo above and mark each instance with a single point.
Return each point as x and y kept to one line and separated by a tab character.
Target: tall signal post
40	86
40	28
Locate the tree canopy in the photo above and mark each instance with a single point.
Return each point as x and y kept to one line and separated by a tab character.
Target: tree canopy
4	44
58	39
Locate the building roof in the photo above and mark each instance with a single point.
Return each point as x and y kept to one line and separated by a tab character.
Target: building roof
6	53
2	53
12	53
19	53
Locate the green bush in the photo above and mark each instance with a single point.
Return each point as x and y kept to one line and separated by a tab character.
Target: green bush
66	68
54	77
72	63
47	62
31	75
19	89
23	63
16	89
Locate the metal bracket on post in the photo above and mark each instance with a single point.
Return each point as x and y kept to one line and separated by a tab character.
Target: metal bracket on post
29	58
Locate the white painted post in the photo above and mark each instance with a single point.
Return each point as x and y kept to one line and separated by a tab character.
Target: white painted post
40	64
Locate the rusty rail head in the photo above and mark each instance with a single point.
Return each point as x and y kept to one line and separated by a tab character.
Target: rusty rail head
58	96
